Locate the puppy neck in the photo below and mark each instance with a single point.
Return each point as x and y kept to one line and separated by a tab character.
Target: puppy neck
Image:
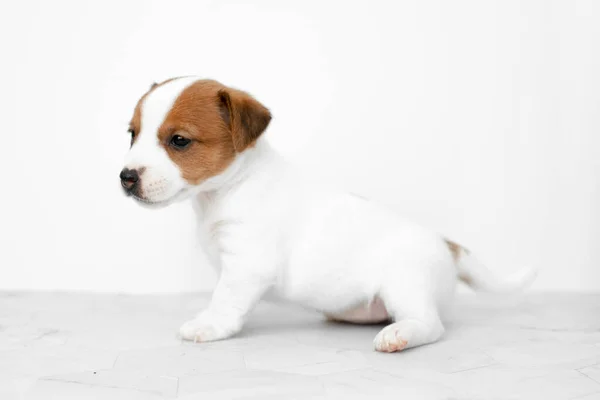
251	162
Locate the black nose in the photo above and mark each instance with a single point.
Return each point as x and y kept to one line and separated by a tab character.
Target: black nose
129	177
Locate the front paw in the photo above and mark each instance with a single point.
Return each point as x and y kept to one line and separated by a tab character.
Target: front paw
204	329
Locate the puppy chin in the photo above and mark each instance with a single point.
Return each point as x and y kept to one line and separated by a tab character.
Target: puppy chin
150	203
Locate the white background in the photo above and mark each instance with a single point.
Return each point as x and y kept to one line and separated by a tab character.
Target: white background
479	119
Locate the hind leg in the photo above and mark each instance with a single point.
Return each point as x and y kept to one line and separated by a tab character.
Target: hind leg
407	333
416	320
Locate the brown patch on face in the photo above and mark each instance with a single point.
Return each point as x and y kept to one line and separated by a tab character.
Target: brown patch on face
246	118
219	121
455	249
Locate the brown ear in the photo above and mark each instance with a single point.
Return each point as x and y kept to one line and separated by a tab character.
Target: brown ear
245	117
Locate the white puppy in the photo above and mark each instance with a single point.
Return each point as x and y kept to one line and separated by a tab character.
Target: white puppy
268	227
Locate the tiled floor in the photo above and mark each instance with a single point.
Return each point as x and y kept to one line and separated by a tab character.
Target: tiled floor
80	346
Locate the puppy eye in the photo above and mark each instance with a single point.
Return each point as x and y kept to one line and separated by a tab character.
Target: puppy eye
179	142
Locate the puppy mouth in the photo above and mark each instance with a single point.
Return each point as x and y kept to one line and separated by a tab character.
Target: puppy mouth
156	203
147	201
151	204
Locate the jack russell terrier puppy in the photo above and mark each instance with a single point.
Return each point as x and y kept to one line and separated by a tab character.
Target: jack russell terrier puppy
266	226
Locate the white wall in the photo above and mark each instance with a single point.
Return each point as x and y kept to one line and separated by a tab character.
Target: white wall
476	118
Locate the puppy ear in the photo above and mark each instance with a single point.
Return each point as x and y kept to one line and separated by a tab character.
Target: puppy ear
245	117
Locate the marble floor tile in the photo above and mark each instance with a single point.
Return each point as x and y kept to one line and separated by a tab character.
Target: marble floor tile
93	346
131	380
242	383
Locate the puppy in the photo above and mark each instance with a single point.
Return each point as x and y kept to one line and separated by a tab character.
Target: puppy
266	226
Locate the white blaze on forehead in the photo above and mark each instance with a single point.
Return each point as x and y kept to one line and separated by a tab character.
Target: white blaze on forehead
157	104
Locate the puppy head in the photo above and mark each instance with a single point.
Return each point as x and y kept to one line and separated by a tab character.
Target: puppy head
185	132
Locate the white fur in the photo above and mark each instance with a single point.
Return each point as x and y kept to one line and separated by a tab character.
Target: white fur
267	226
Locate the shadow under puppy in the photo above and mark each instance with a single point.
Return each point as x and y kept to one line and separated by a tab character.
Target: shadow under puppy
267	226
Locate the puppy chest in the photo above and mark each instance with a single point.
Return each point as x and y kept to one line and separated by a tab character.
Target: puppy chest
213	239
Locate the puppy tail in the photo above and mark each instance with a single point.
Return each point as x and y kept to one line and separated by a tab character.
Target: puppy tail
472	272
